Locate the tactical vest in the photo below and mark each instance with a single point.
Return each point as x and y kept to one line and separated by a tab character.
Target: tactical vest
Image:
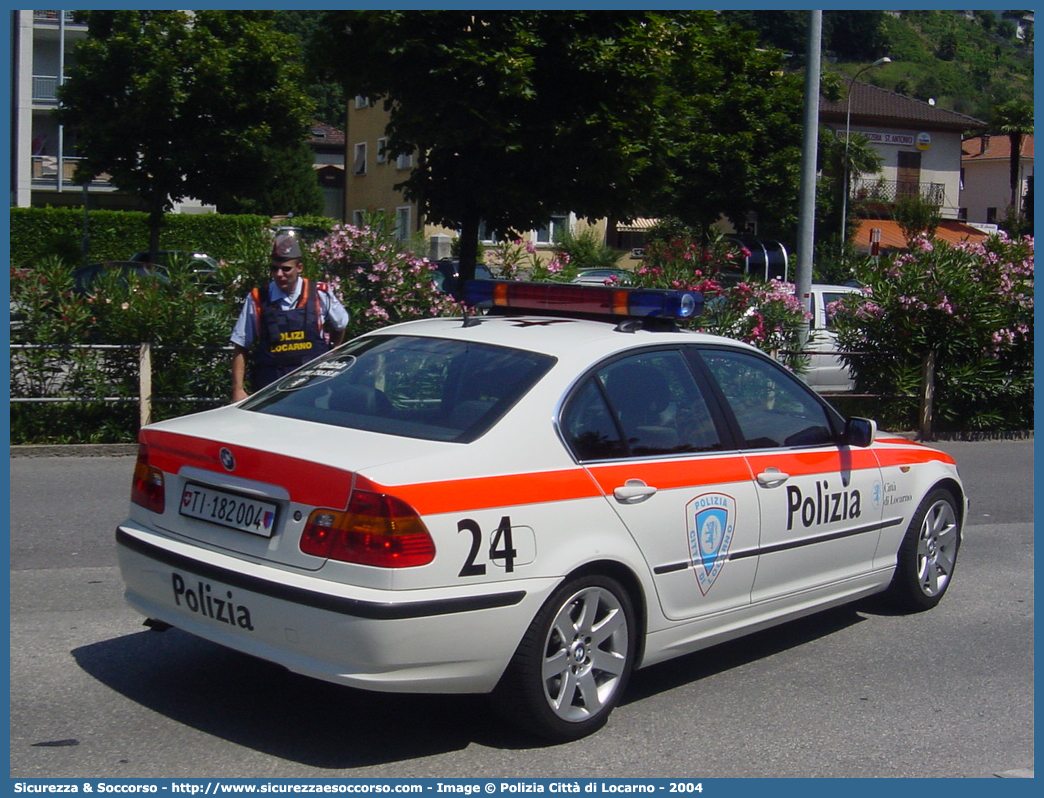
286	339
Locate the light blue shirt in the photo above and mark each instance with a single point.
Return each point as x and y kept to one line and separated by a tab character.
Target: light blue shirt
335	317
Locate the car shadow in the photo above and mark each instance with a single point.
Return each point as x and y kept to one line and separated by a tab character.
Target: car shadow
262	706
741	651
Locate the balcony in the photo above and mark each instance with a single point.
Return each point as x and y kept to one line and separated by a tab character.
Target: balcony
45	170
52	16
45	89
871	193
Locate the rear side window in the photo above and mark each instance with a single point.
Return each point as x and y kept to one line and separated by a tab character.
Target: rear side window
430	388
642	405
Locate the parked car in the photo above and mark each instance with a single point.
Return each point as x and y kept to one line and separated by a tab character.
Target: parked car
85	276
204	267
446	274
199	261
604	276
532	504
827	372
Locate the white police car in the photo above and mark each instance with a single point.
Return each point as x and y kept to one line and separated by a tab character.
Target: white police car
531	505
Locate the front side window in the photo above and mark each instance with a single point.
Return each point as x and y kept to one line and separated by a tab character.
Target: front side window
771	407
643	405
431	388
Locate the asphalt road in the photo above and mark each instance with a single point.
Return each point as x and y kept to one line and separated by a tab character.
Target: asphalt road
853	692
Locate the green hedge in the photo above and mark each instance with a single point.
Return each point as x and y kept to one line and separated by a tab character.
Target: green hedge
116	235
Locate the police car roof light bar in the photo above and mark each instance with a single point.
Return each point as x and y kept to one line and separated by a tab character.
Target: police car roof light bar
565	299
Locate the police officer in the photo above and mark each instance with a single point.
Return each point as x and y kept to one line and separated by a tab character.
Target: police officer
284	323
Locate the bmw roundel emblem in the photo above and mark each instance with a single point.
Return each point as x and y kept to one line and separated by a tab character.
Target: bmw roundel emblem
227	460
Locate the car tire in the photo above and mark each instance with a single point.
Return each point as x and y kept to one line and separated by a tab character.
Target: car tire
573	663
928	554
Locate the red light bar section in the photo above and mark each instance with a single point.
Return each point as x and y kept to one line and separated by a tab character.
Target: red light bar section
563	298
582	300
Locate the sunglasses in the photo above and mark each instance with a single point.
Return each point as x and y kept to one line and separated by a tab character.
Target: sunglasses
283	269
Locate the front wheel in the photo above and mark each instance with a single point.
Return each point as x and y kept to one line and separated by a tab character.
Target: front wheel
928	554
573	663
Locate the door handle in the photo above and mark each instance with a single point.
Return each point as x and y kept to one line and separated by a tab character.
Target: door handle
633	491
771	477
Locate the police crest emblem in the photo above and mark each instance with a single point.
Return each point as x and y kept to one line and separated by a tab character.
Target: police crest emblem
710	522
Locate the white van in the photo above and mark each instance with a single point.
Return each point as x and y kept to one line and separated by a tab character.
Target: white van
827	373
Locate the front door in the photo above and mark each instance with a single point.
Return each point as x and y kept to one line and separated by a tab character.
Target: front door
908	176
820	502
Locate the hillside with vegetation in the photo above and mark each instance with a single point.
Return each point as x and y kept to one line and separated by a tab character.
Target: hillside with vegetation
969	62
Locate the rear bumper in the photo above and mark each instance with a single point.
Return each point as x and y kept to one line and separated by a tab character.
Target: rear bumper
441	640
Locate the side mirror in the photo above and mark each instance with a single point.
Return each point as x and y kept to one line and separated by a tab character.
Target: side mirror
860	432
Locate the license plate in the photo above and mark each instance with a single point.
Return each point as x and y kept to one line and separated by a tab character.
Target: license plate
229	509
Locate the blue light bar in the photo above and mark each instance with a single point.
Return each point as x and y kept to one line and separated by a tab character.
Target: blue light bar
584	300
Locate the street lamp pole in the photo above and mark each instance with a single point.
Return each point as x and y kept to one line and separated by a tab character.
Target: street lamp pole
848	135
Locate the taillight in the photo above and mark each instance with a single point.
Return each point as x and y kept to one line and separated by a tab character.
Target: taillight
147	487
376	529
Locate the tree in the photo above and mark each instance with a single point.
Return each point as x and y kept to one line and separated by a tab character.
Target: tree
328	95
288	185
855	35
833	254
173	104
730	132
852	35
515	116
1015	119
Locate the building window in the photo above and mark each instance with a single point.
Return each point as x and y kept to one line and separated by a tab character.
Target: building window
359	218
402	223
484	234
962	214
404	161
359	164
382	144
361	101
991	216
553	230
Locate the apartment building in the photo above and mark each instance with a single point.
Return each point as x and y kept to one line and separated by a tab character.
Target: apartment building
43	153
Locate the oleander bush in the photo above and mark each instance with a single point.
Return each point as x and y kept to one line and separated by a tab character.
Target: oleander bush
764	314
970	307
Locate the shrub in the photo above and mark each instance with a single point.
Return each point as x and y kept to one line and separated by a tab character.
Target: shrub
515	259
116	235
972	306
378	278
766	315
586	250
52	324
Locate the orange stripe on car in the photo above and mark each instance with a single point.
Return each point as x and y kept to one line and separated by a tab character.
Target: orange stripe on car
482	493
912	456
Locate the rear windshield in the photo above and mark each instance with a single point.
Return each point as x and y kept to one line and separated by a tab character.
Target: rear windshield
429	388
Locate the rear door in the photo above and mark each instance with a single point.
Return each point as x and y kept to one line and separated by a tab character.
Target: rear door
643	428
